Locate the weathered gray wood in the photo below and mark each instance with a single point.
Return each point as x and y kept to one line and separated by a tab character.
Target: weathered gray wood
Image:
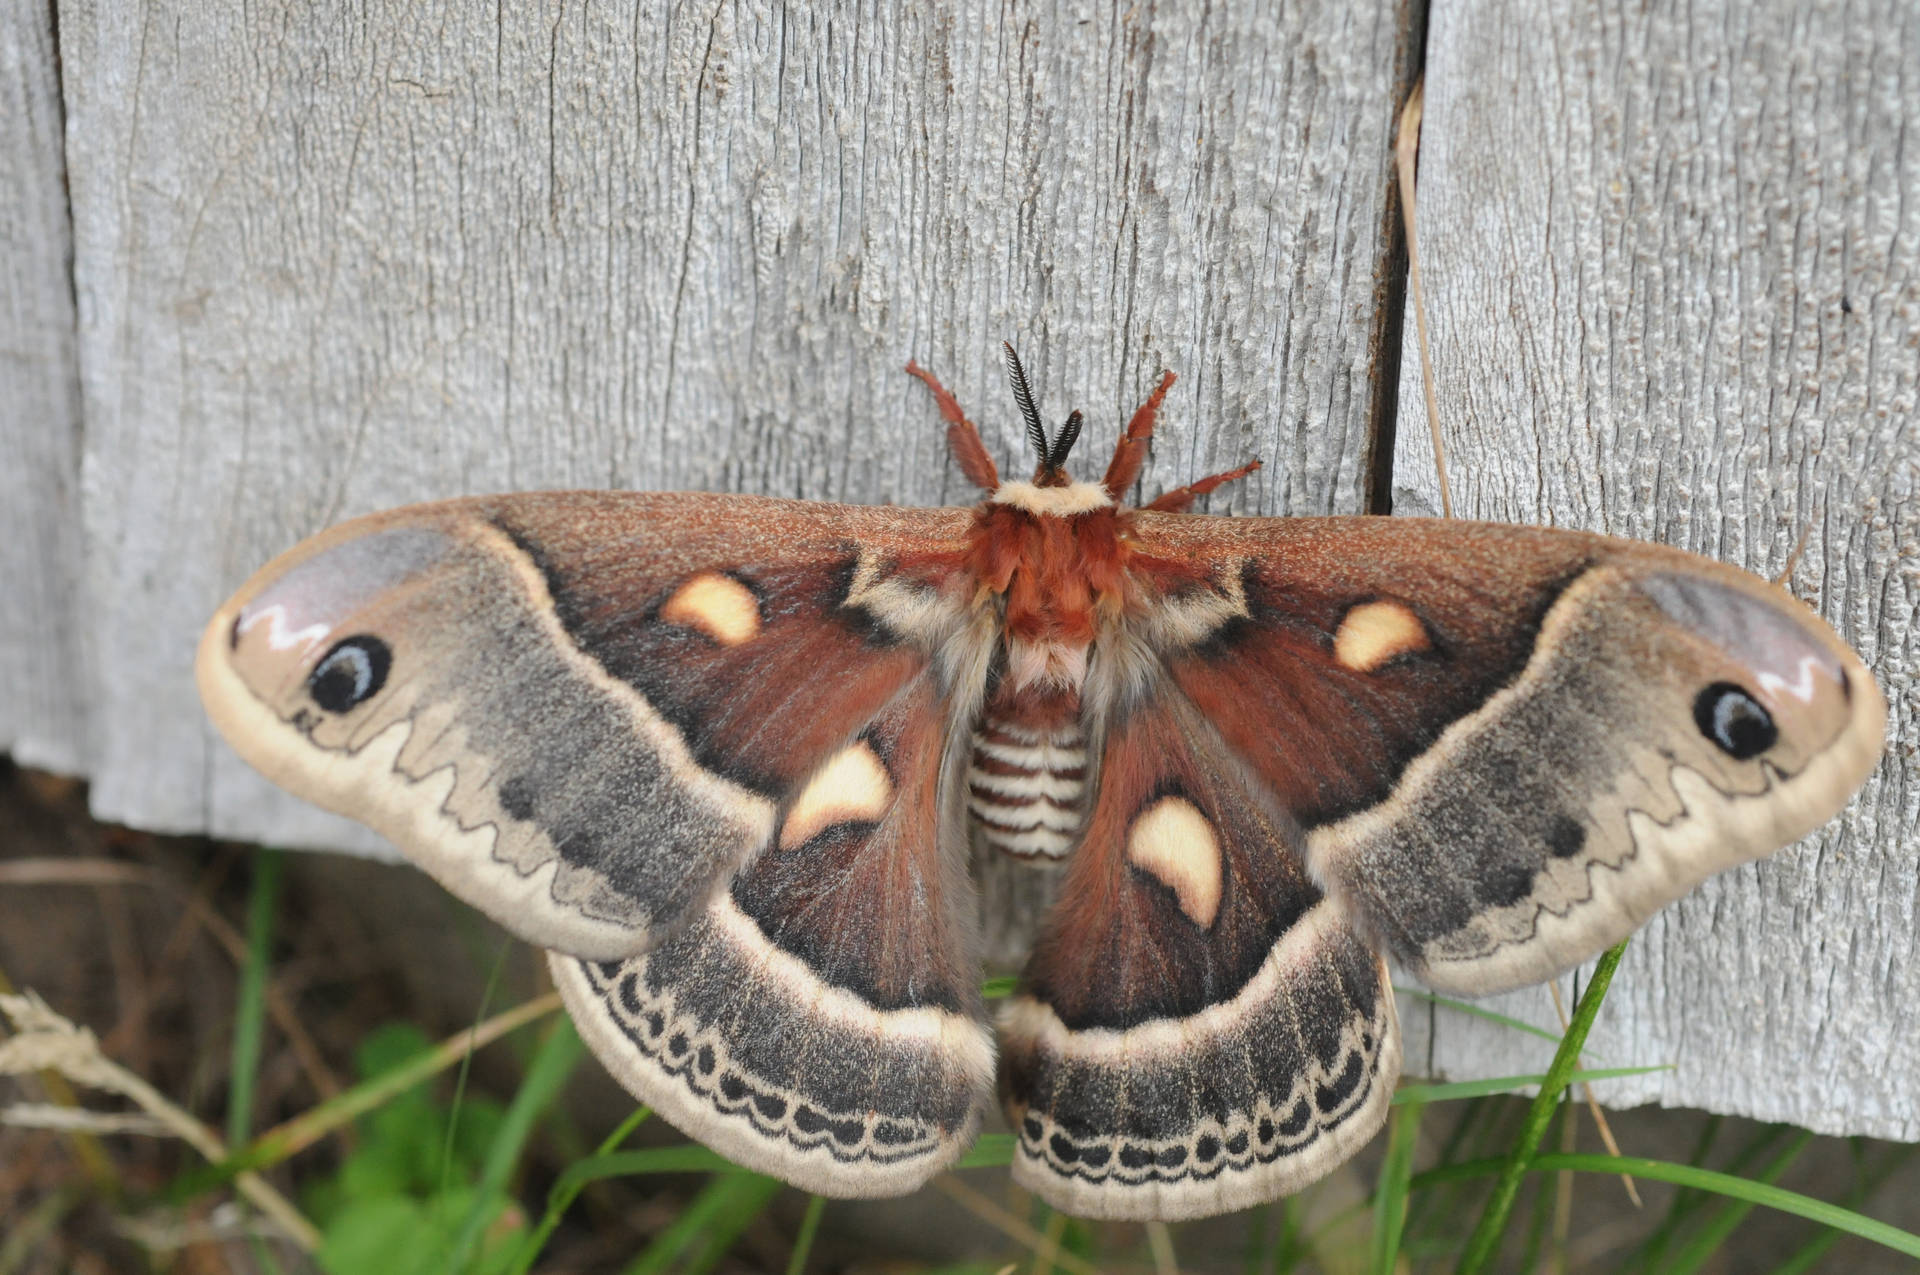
327	265
1673	267
44	703
331	267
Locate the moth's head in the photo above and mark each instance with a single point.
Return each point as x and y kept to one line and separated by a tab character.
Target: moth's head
1050	491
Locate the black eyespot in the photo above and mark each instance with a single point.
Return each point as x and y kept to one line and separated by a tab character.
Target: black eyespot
1734	720
351	673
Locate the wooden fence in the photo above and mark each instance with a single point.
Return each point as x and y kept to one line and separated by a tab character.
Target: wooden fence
267	266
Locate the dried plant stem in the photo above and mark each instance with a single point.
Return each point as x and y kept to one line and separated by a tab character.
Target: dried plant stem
46	1041
1406	151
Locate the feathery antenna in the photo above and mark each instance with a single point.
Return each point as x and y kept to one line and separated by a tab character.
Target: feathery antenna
1063	442
1036	433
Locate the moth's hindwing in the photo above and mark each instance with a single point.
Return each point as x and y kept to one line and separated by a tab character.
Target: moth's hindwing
1508	747
581	712
1199	1029
822	1020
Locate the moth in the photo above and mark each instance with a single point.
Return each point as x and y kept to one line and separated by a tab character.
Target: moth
723	755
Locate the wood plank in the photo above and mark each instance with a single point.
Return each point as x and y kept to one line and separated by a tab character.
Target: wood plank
1673	268
43	713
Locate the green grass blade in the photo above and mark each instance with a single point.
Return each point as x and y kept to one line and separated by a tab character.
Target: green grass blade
803	1242
619	1164
1654	1251
33	1226
1540	1218
1423	1206
563	1194
712	1221
1390	1199
250	1014
263	1256
1810	1254
1651	1250
465	1069
1485	1240
559	1054
748	1198
1686	1175
1046	1255
1476	1011
295	1135
994	1150
1259	1224
1730	1213
1291	1247
1423	1094
1472	1091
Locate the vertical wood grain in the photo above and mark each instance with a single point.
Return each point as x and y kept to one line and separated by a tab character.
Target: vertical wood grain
338	263
45	705
1673	262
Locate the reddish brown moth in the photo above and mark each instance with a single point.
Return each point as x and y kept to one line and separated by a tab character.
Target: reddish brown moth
724	755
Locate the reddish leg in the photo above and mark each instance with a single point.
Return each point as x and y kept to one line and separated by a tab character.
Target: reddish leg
1177	500
964	440
1131	453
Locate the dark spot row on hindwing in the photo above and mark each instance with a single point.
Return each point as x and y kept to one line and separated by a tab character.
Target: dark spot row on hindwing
1240	1094
742	1091
779	1040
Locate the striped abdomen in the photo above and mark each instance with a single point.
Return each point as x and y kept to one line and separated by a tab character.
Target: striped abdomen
1025	784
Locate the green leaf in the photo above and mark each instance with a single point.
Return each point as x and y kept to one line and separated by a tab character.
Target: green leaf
387	1234
402	1235
990	1151
482	1121
377	1171
388	1048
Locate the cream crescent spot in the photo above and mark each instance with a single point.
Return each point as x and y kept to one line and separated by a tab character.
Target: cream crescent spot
852	787
1174	844
1374	632
718	606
